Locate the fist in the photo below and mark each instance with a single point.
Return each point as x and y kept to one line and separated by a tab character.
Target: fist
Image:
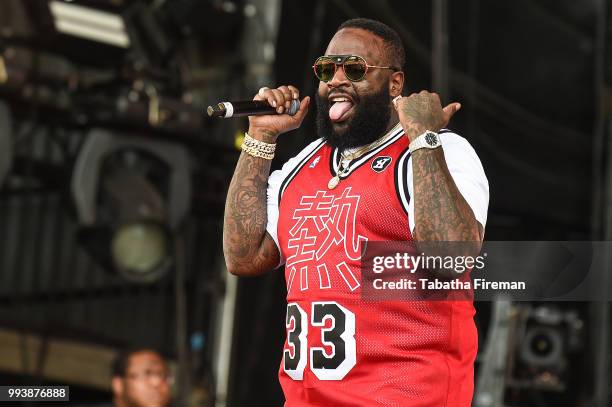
268	127
423	111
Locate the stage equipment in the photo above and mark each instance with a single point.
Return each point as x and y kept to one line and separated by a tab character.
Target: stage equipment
491	383
6	145
131	195
89	23
549	338
530	349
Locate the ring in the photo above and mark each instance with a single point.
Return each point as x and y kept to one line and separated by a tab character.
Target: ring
395	99
262	90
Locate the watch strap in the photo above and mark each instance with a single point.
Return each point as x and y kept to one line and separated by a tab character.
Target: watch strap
428	139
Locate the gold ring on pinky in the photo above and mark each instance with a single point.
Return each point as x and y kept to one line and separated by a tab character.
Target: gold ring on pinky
262	90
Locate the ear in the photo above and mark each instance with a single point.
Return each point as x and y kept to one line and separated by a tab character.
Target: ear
396	83
117	386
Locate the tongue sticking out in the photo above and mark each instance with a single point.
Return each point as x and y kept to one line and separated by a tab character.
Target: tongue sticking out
338	110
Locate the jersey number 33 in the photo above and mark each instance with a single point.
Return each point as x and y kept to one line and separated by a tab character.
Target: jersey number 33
338	354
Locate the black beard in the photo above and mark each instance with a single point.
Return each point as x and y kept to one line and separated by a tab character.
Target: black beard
368	124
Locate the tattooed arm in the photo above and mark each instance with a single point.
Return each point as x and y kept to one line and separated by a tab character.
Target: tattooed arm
248	248
440	211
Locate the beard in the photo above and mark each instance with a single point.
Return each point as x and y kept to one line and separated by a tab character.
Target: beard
369	122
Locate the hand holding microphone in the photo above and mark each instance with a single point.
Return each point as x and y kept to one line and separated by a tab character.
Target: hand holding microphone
271	112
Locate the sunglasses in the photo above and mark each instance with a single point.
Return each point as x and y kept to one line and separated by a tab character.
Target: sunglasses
354	66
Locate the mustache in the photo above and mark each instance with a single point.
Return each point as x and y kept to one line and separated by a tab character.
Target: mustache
323	101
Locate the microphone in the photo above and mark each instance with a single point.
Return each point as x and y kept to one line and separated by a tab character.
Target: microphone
248	108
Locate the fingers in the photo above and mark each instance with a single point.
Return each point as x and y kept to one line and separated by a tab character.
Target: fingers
287	96
422	95
451	109
295	92
424	109
301	113
262	90
279	98
448	112
395	99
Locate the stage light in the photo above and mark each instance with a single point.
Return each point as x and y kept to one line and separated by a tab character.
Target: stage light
89	23
140	243
131	196
139	247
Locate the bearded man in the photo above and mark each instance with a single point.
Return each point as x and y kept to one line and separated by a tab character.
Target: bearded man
383	169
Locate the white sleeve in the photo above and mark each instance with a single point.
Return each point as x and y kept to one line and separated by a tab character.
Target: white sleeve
274	185
467	172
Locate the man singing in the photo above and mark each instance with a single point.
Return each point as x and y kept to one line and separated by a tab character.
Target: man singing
383	170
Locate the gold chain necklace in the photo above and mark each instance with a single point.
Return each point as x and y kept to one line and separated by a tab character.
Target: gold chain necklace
347	158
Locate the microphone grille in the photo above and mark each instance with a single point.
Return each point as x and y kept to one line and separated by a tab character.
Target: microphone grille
293	109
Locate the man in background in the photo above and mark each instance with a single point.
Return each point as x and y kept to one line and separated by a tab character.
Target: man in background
141	378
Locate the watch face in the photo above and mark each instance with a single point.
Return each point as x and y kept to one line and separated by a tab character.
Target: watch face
431	139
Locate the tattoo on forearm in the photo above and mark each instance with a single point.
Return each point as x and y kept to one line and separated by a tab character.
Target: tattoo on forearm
244	226
441	213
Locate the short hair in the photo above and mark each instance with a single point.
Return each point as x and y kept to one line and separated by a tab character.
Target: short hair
394	47
120	363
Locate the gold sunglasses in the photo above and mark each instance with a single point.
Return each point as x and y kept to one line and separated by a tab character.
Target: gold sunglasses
354	66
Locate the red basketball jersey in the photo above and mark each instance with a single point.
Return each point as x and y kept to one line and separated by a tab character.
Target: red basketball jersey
342	350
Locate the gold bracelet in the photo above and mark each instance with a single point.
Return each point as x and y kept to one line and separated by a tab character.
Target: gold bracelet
256	153
258	148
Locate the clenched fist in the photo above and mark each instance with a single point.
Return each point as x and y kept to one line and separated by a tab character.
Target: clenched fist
268	127
423	111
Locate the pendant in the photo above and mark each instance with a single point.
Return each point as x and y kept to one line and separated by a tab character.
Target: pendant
333	183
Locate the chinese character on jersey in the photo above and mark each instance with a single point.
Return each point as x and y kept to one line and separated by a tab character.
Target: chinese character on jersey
321	222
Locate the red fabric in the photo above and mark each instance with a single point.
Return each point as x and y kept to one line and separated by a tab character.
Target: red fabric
414	353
